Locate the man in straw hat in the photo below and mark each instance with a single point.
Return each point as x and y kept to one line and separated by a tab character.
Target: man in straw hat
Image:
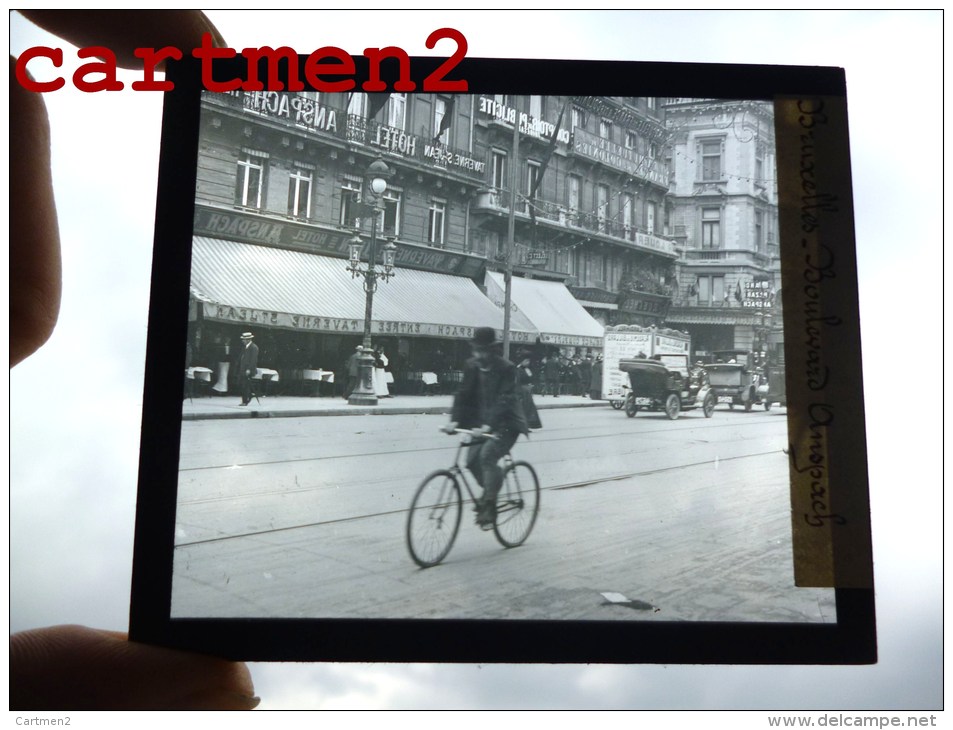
488	400
247	366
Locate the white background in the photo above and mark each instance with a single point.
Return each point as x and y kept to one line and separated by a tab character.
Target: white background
76	405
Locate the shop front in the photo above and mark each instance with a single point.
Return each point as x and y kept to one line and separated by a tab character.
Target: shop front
307	315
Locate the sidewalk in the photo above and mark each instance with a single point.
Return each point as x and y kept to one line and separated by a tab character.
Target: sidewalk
214	407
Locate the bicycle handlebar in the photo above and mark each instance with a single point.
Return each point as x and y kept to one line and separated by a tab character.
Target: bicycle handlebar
476	433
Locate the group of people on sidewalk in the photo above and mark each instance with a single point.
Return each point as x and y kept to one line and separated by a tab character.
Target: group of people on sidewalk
571	376
381	377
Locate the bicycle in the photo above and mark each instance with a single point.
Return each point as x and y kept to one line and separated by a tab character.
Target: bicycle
437	507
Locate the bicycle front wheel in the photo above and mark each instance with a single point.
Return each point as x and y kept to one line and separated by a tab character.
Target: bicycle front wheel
517	504
434	518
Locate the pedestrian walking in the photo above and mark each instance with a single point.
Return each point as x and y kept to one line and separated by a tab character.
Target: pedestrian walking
247	366
585	375
380	374
524	378
551	375
595	379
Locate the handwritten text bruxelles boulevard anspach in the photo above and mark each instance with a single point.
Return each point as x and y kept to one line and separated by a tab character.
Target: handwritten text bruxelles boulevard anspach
818	266
325	70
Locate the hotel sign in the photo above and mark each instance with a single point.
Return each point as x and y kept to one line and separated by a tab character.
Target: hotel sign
758	295
250	228
298	109
617	156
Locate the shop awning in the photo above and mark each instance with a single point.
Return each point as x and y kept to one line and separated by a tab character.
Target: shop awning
261	286
553	310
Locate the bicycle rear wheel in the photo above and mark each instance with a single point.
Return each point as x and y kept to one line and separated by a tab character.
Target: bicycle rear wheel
434	518
517	504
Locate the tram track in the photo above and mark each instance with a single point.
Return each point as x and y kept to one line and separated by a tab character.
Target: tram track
539	437
551	488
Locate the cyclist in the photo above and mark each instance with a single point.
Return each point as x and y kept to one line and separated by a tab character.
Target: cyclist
488	400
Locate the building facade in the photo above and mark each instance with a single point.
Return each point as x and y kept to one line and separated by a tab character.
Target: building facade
603	211
589	207
724	218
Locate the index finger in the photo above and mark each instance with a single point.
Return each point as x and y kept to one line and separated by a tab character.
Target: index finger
123	31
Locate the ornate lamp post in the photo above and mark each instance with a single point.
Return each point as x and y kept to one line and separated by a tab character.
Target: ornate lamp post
377	176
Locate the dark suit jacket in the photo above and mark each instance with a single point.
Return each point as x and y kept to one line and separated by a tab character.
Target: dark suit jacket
248	360
504	409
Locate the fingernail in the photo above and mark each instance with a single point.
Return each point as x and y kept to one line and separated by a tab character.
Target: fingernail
250	703
217	38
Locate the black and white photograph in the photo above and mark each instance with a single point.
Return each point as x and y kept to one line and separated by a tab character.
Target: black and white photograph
378	280
529	395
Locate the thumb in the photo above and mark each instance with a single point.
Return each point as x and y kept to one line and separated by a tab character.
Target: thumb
77	668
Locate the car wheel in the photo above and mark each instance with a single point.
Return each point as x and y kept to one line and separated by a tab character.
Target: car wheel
630	407
616	404
708	405
672	406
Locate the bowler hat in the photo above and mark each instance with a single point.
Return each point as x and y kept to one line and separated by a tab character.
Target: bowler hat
483	337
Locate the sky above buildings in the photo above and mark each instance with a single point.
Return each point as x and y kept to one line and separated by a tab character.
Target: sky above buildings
75	406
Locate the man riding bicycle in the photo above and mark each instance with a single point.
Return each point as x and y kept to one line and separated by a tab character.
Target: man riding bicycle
488	400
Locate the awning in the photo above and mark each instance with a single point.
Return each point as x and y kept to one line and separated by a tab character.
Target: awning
261	286
553	310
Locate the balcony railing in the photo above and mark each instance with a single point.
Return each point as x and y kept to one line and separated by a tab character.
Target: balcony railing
732	256
499	200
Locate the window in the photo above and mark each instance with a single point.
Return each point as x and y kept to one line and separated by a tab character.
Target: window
501	99
651	101
536	107
711	160
350	194
251	173
605	129
439	112
711	290
397	111
574	193
499	170
602	206
650	211
628	216
759	166
759	231
299	193
436	221
532	175
631	140
388	220
357	104
653	150
711	228
578	120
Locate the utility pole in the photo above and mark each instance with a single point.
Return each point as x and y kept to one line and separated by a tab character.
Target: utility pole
511	234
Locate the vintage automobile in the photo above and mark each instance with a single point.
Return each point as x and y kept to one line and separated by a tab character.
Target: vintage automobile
666	383
773	391
736	380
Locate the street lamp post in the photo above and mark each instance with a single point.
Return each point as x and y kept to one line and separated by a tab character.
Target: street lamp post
377	175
